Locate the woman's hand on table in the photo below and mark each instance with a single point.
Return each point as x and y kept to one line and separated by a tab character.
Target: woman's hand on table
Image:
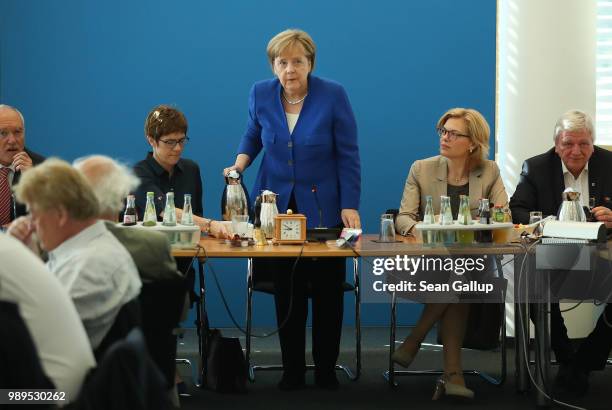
350	218
218	230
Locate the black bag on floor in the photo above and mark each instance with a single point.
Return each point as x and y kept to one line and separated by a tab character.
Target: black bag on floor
483	326
226	368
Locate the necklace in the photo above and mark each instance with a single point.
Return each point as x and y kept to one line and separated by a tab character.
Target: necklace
458	179
294	102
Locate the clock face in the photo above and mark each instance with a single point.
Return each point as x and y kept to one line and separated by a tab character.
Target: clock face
291	229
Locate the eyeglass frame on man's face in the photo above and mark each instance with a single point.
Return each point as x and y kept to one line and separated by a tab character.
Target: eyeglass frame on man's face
452	134
171	143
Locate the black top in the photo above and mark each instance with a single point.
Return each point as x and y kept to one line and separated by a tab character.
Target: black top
154	178
455	191
541	184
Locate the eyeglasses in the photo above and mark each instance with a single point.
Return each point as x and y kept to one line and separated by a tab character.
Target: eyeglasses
173	143
16	132
452	134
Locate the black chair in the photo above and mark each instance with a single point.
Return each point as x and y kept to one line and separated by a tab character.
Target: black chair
20	366
126	378
161	304
267	286
127	319
391	373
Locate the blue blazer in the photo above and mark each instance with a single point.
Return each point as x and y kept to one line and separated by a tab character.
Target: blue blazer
322	151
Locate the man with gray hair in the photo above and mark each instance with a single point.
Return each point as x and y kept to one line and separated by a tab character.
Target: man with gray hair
14	159
111	183
573	162
89	262
164	288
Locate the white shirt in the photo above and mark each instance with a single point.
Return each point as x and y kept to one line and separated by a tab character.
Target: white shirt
49	314
291	121
100	277
580	184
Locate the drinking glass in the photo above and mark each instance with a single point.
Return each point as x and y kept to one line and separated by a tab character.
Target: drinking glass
387	228
240	225
536	216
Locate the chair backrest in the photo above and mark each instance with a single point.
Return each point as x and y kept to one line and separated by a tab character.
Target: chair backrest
126	320
20	366
161	304
125	378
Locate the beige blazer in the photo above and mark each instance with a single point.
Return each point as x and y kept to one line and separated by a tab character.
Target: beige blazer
429	177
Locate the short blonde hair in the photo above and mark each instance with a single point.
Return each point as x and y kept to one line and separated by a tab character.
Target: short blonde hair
477	129
287	39
55	184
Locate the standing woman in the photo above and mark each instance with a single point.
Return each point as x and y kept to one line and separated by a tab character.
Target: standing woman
306	127
460	169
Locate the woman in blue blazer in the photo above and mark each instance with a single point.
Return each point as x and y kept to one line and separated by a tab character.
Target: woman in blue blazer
307	129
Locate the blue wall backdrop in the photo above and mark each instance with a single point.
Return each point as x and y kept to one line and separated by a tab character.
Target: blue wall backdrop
86	73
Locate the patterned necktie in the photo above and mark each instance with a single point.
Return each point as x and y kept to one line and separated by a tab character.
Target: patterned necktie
5	197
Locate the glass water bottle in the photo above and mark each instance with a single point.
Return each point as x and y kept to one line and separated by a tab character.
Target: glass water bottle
429	236
464	217
187	217
150	215
446	218
169	211
485	219
129	216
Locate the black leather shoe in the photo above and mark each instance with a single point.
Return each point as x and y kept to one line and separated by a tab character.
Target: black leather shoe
327	380
291	381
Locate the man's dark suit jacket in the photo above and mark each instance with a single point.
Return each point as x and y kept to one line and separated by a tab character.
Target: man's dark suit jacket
541	184
19	209
539	189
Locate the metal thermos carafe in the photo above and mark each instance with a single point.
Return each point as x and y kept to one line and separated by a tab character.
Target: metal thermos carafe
571	209
268	211
235	197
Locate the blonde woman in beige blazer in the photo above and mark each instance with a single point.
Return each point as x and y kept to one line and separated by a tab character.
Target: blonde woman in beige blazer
461	167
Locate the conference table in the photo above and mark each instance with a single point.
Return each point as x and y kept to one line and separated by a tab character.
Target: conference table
213	248
366	247
538	279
